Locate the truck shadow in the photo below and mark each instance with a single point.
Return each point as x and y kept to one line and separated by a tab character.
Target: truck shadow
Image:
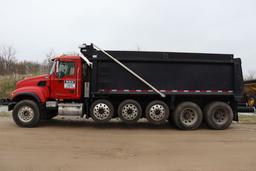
79	123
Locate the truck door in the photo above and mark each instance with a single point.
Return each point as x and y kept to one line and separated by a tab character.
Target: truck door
65	82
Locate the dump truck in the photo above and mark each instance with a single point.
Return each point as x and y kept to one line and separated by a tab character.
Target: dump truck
186	89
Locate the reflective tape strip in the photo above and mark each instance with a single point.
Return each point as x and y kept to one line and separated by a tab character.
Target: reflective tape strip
172	91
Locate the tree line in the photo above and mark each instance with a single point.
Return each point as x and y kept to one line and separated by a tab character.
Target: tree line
9	65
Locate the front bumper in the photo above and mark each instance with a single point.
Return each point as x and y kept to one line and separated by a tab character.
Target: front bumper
4	102
7	102
11	106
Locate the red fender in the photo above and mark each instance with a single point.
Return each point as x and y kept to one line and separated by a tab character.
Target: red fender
42	93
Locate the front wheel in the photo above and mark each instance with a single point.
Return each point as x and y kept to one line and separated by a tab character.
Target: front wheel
26	113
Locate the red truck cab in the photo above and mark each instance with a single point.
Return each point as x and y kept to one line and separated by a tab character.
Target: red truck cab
66	78
64	81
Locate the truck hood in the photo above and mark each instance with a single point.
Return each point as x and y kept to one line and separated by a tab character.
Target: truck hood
32	81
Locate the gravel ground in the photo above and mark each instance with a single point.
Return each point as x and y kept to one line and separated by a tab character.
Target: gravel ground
76	144
3	109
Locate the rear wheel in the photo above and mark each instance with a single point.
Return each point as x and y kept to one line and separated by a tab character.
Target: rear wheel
218	115
26	113
188	116
157	112
129	111
101	110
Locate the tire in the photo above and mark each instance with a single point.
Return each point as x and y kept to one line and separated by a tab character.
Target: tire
26	113
188	116
157	112
101	110
129	111
218	115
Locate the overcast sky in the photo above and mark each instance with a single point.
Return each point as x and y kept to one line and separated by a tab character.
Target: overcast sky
34	27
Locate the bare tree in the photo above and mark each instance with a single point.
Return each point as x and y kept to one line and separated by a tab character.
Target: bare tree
51	54
7	55
47	63
250	76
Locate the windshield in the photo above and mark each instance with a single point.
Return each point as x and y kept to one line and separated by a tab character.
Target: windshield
52	68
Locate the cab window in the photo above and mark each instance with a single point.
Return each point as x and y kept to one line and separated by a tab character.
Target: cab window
65	69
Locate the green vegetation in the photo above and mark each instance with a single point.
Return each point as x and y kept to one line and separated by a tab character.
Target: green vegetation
12	70
7	84
247	119
5	114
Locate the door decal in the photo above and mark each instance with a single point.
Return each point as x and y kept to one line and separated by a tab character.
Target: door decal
69	84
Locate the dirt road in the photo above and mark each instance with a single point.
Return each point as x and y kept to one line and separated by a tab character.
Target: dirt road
84	145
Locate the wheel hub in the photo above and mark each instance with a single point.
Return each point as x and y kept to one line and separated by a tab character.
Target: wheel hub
219	116
157	112
130	111
101	111
26	114
188	116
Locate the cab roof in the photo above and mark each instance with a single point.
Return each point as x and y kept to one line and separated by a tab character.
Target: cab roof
67	57
74	57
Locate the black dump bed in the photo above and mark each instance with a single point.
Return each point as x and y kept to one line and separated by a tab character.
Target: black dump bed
167	71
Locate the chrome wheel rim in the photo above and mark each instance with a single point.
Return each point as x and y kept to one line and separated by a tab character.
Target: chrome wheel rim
26	114
101	111
220	116
189	116
157	112
130	111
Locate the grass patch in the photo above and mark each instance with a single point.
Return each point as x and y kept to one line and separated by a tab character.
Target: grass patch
8	84
247	119
5	114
